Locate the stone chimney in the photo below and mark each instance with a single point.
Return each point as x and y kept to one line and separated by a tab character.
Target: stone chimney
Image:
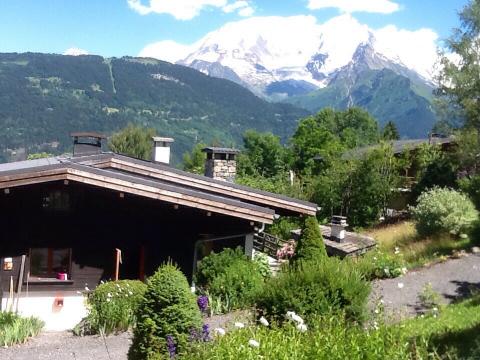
161	149
87	143
338	225
221	163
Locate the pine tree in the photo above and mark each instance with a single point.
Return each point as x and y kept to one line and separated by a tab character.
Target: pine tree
390	131
310	246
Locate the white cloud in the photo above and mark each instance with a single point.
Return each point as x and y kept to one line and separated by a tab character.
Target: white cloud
416	49
73	51
243	7
166	50
188	9
350	6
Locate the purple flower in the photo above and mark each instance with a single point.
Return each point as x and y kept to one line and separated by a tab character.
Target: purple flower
205	333
171	346
202	302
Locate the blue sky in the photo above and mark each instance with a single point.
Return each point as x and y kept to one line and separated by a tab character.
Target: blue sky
117	28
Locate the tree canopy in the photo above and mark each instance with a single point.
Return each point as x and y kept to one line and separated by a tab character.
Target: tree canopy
459	78
133	141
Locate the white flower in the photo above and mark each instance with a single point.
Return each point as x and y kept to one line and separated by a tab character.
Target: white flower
435	309
377	311
297	318
302	327
382	301
130	293
290	314
239	325
264	321
397	251
400	285
219	331
375	258
86	288
109	295
404	270
253	343
375	325
108	300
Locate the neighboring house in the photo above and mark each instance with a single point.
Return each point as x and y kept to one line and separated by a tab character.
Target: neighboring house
400	202
69	222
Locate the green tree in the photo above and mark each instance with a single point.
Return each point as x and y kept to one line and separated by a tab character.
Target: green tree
390	131
459	79
194	161
133	141
168	309
263	155
310	246
328	134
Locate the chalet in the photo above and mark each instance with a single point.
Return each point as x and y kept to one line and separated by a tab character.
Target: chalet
69	222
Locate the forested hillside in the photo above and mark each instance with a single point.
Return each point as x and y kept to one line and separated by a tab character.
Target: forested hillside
44	97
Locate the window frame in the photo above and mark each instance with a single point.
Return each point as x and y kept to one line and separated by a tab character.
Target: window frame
51	275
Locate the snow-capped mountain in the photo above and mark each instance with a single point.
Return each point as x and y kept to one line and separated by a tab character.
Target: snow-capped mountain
278	57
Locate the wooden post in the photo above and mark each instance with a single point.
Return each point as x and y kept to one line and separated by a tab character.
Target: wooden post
118	261
141	269
20	281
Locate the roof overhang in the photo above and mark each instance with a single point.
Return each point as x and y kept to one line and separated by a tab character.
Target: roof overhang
144	188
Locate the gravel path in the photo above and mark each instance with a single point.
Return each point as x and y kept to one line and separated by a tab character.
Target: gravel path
66	346
452	279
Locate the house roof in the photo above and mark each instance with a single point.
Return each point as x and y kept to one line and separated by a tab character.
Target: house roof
157	181
398	146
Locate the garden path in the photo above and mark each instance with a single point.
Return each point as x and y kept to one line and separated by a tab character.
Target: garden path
65	346
452	279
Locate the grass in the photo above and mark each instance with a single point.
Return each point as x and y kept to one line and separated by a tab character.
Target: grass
455	333
15	329
417	251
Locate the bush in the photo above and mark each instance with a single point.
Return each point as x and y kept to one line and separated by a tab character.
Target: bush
112	307
215	264
168	309
310	245
230	279
443	210
15	329
380	265
327	286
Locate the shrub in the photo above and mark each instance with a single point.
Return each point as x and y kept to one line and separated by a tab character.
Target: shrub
380	264
310	245
215	264
230	279
168	309
15	329
263	266
327	286
443	210
112	307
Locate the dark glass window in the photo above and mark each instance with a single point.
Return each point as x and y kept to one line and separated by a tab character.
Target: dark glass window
48	262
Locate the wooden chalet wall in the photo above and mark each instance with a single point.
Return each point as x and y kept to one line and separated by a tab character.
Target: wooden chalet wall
98	221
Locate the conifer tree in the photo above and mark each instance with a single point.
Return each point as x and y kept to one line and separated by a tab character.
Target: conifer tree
310	246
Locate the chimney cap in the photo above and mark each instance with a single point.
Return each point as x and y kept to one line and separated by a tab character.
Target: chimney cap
220	150
88	134
163	139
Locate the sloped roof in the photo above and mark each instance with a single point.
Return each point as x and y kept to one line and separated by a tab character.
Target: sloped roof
398	146
158	181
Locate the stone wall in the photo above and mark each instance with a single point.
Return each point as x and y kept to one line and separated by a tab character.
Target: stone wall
221	169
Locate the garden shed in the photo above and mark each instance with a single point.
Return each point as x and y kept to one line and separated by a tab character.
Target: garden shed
69	222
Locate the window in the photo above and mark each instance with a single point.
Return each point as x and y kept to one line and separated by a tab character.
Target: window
48	262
